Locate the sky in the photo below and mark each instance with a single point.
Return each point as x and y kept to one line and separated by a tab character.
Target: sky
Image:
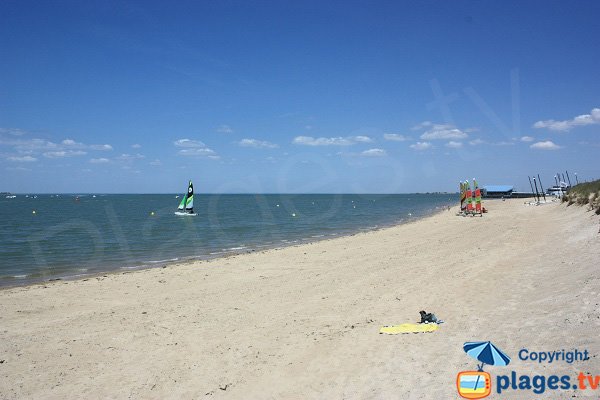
296	97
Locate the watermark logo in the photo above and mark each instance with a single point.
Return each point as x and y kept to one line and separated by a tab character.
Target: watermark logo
478	384
474	384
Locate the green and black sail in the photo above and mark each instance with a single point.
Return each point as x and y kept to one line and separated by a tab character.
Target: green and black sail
187	203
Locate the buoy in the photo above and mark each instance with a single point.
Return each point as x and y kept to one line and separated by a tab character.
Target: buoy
410	214
152	213
33	212
293	214
277	205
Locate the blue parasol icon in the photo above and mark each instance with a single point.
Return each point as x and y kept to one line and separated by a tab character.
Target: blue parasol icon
487	353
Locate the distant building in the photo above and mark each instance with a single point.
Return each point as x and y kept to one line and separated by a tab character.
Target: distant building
497	191
503	191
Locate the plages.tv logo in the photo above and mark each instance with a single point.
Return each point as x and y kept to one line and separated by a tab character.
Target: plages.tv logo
478	384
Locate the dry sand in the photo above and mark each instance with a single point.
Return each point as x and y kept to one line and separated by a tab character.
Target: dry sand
302	322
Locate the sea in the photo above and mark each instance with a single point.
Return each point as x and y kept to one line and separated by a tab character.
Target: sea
65	236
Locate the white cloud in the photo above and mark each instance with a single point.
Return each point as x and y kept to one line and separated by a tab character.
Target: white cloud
593	118
332	141
224	129
395	137
188	143
527	139
547	145
374	153
136	146
199	152
156	162
101	147
99	160
22	159
420	146
503	143
64	153
553	125
422	125
476	142
479	141
454	145
130	157
195	148
33	145
311	141
440	132
258	144
72	144
30	149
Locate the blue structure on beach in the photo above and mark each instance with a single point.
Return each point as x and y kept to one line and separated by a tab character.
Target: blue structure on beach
503	191
497	191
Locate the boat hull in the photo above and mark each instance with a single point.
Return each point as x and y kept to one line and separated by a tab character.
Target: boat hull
185	214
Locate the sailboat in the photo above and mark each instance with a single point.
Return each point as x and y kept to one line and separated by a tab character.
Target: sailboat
186	207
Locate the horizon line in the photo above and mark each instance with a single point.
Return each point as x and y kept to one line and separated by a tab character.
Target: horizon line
216	193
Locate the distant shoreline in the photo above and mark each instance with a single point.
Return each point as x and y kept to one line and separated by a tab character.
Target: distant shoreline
229	194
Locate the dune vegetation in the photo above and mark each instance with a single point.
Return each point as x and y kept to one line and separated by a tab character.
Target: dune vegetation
585	194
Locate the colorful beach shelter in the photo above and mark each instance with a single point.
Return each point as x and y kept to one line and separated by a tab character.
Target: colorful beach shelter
487	353
469	197
478	209
463	195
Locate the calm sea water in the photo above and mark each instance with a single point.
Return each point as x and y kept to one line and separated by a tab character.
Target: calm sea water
71	236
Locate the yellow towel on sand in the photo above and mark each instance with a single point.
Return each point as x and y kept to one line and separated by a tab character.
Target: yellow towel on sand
408	328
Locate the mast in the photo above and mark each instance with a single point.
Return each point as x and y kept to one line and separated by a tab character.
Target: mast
531	184
541	188
536	190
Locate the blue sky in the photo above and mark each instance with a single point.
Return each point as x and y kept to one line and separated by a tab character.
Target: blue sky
378	97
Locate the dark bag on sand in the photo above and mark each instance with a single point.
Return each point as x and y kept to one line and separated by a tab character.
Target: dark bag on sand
427	318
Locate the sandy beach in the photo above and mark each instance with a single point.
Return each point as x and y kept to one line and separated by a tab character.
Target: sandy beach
303	322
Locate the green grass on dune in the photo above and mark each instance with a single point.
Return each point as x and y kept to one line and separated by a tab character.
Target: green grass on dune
585	194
